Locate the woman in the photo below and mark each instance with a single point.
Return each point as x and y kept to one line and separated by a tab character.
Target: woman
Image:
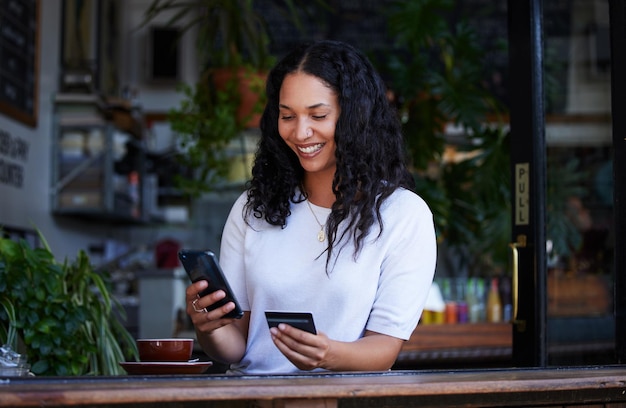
328	225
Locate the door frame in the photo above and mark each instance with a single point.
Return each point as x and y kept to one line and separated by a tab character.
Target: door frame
528	181
529	174
617	22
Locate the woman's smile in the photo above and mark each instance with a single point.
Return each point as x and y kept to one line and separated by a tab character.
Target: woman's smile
310	149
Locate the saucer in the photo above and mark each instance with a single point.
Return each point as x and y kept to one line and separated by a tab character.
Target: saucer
164	367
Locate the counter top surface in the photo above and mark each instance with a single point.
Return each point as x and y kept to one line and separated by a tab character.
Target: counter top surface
608	382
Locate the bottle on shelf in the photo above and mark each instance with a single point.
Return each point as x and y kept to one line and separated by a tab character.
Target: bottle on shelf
506	298
470	299
449	299
451	312
133	193
494	303
461	301
476	300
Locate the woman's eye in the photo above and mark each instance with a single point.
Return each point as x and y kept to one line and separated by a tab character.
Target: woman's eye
319	117
286	117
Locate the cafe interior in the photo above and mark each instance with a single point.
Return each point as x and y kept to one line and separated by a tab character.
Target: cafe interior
515	132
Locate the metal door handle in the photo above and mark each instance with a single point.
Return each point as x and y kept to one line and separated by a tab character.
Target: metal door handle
520	243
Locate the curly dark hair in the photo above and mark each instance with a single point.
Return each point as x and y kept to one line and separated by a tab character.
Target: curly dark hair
370	153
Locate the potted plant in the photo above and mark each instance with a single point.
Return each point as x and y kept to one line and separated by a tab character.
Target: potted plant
61	316
232	42
233	45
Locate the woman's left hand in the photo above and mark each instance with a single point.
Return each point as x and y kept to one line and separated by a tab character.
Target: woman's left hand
372	352
305	350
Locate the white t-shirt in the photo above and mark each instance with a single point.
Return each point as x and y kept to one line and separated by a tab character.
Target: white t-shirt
283	269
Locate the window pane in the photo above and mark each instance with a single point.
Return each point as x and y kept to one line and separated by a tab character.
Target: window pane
580	223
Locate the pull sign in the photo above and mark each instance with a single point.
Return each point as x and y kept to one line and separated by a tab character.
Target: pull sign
522	188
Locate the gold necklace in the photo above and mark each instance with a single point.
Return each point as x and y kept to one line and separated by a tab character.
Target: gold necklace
321	236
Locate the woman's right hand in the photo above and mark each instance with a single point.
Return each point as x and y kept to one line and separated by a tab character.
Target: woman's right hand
203	320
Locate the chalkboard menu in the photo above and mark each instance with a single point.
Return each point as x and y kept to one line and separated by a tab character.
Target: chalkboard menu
19	59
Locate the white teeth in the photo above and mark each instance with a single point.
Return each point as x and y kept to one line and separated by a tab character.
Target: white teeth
311	149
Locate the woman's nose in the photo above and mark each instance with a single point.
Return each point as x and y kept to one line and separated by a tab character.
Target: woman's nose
303	130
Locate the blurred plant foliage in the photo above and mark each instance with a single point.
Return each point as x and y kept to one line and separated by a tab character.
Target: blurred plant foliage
565	180
206	123
61	315
437	73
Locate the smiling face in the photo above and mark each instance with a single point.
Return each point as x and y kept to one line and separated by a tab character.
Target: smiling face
308	114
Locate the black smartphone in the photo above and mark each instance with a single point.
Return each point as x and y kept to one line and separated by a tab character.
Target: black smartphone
299	320
203	265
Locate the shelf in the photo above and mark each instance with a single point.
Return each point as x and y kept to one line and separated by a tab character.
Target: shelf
98	168
458	343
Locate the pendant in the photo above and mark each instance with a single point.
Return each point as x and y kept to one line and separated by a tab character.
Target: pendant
321	236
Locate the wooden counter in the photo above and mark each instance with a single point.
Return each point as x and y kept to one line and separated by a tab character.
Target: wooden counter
485	345
464	345
592	386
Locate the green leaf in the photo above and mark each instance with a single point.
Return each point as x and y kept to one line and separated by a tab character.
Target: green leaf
9	249
47	325
40	367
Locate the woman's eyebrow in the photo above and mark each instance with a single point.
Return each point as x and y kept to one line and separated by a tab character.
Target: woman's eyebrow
317	105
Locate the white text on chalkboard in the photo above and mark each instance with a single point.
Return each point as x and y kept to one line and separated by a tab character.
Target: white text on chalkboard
12	148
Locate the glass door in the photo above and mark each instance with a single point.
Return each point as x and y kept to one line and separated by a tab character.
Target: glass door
565	225
580	218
